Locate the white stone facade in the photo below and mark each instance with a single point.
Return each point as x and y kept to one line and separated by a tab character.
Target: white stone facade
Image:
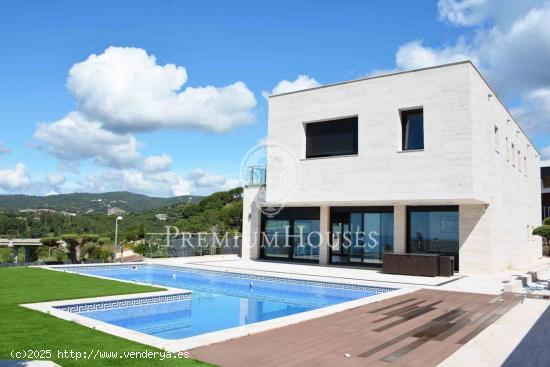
468	160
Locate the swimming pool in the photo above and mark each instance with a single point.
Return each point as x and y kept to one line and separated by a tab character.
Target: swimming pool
219	300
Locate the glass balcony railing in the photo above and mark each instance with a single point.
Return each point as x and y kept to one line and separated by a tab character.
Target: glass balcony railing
256	175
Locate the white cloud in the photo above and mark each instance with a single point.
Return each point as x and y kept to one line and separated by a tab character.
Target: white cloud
514	50
182	187
4	149
123	90
127	90
75	138
476	12
231	183
517	56
466	13
510	44
15	179
55	178
534	111
202	178
50	185
300	83
157	163
206	182
415	55
546	152
167	183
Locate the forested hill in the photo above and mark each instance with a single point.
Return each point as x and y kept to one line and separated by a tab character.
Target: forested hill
220	212
80	203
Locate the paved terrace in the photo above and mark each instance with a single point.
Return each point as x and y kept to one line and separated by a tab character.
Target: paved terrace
479	283
422	328
461	321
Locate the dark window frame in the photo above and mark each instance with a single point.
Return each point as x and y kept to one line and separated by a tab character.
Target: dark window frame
545	177
403	115
346	211
291	214
354	131
431	208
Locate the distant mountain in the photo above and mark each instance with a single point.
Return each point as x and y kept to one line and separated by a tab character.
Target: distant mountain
92	203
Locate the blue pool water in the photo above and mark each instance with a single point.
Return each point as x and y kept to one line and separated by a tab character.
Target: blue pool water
219	300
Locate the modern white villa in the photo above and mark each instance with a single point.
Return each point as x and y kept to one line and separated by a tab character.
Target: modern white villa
422	161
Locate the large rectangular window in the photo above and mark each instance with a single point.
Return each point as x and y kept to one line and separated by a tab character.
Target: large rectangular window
360	235
545	177
412	129
291	234
331	138
433	230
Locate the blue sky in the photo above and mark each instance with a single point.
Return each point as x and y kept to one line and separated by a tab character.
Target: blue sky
217	44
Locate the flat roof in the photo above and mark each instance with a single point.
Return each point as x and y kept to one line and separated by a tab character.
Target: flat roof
545	163
374	77
414	71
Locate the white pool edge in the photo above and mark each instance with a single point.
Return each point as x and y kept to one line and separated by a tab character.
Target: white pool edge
185	344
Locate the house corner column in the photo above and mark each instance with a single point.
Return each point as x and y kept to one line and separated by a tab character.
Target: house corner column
253	199
400	228
324	228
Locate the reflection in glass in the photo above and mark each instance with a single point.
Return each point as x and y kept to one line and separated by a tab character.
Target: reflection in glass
274	239
356	250
412	129
361	237
434	231
306	239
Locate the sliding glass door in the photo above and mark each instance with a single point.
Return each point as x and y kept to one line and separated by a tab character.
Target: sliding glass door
361	235
292	234
306	239
275	241
433	229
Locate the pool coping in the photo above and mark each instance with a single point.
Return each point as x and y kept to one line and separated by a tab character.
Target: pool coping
184	344
305	279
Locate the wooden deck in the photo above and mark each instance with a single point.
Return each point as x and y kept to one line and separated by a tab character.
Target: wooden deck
417	329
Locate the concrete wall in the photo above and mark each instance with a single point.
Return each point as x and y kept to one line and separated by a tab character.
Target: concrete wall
474	239
509	181
253	199
380	172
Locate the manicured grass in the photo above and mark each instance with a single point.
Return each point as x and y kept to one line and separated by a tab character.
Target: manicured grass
25	329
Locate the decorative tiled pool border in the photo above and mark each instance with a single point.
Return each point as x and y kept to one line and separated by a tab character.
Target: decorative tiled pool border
165	327
230	274
126	302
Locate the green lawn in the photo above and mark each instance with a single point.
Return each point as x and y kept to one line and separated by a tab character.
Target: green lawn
25	329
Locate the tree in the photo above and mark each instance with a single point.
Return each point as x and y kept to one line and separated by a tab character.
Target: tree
50	241
75	242
141	232
88	238
73	246
543	231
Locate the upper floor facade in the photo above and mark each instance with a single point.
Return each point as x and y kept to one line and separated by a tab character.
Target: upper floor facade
436	136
